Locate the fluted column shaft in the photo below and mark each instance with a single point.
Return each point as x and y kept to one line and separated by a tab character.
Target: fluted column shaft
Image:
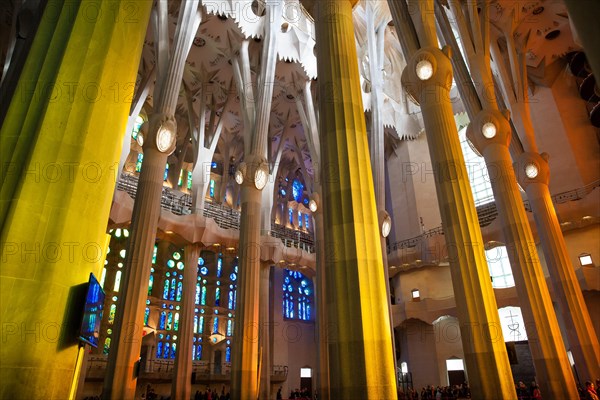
552	367
320	299
182	373
580	330
120	382
59	156
245	351
356	300
483	345
265	332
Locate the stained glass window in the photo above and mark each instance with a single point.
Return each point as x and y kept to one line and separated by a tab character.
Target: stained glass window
297	190
189	180
166	172
228	354
299	219
212	188
298	296
136	127
138	163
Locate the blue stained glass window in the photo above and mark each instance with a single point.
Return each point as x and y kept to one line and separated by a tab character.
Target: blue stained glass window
201	325
163	318
203	296
197	293
299	219
298	296
291	214
230	300
214	165
216	325
172	289
200	261
180	181
204	270
138	163
189	180
173	350
170	263
217	297
297	190
169	324
306	221
233	276
146	315
212	188
199	352
159	350
219	266
176	322
166	171
179	290
154	254
167	351
229	327
195	324
228	354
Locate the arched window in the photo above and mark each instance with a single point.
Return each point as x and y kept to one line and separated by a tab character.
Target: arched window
298	296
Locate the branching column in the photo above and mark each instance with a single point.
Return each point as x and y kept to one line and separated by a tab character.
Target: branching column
360	349
428	77
533	175
120	380
182	373
490	132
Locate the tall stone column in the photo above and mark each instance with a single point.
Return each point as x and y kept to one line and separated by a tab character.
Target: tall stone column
428	77
245	346
534	175
356	294
320	299
59	151
490	132
182	374
265	331
120	381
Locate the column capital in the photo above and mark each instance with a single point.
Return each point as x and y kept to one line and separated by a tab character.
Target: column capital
253	172
532	168
489	127
428	67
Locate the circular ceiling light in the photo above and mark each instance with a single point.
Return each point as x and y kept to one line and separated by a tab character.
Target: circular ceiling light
261	177
424	70
531	170
488	130
164	139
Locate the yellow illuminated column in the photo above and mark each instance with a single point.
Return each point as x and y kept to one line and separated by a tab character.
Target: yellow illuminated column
533	175
64	126
182	372
316	207
490	133
428	77
361	362
265	331
245	349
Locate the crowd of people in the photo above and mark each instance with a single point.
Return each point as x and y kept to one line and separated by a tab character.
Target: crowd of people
436	393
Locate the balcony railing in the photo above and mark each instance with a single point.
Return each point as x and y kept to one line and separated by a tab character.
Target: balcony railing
487	213
163	370
227	218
